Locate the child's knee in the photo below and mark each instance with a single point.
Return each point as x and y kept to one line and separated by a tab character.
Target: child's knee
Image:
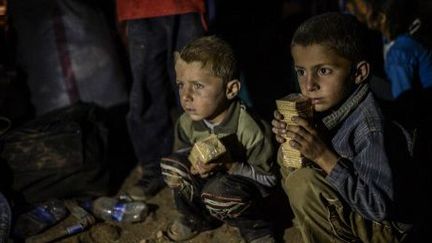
302	187
225	207
228	196
174	172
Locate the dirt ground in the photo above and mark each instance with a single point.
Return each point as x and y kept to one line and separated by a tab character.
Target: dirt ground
150	230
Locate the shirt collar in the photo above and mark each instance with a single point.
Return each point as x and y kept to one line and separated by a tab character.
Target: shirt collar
228	125
337	116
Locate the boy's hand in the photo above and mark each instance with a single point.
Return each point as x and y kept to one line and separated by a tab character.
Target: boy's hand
279	127
204	169
306	139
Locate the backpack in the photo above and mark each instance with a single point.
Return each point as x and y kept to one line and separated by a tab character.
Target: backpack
58	155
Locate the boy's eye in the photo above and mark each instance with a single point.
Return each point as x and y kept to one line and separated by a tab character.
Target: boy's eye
197	86
300	72
324	71
179	85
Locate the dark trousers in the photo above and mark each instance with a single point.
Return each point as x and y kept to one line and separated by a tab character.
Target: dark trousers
152	43
233	199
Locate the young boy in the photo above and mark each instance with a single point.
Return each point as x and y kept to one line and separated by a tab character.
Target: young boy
348	192
226	190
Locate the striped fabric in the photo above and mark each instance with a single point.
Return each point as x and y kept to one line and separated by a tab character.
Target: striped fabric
223	207
175	172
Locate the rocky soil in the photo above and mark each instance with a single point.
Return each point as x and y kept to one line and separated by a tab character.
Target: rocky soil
150	230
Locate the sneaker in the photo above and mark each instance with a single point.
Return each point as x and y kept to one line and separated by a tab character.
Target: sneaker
147	186
264	239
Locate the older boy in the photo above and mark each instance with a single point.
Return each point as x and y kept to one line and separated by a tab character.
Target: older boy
348	193
229	189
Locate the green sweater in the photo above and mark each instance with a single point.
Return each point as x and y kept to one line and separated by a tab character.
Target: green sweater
252	143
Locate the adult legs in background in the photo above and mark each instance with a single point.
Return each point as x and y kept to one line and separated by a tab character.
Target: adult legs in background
151	43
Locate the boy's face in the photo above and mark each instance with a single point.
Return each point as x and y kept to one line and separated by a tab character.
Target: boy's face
202	95
323	75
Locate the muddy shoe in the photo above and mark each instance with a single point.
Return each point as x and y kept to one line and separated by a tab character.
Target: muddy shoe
184	229
179	231
147	187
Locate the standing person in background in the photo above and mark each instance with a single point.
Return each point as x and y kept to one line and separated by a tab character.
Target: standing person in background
407	54
154	29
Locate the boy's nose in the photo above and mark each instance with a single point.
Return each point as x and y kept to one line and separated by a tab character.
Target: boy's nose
186	94
311	83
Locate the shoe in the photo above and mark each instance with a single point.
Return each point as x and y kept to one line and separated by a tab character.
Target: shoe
179	231
264	239
147	186
184	229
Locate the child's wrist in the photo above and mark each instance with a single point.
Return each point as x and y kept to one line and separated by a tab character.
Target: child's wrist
328	161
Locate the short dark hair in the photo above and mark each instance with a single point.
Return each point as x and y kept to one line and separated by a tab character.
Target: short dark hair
215	52
342	33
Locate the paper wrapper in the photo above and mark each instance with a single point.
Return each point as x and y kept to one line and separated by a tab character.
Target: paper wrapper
207	150
289	106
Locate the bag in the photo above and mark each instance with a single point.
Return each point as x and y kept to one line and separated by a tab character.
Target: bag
67	53
58	155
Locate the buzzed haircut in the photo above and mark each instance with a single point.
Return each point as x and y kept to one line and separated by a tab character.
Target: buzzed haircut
212	52
339	32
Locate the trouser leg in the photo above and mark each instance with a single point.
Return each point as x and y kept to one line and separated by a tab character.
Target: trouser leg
237	201
149	124
152	42
187	190
322	216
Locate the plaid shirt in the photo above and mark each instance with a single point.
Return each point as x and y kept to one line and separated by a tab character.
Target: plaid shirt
362	176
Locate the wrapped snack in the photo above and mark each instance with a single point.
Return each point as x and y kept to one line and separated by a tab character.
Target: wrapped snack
207	150
289	106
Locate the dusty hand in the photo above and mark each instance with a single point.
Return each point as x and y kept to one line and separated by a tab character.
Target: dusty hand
279	127
305	138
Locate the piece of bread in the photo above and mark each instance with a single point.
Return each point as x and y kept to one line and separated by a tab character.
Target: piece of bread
207	150
289	106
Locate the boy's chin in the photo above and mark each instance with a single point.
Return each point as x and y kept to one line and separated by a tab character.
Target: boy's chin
195	117
321	108
318	110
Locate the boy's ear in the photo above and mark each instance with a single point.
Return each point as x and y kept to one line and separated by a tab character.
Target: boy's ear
232	89
176	56
361	72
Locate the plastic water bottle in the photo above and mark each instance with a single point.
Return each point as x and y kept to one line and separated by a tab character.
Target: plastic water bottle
116	210
41	217
84	221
